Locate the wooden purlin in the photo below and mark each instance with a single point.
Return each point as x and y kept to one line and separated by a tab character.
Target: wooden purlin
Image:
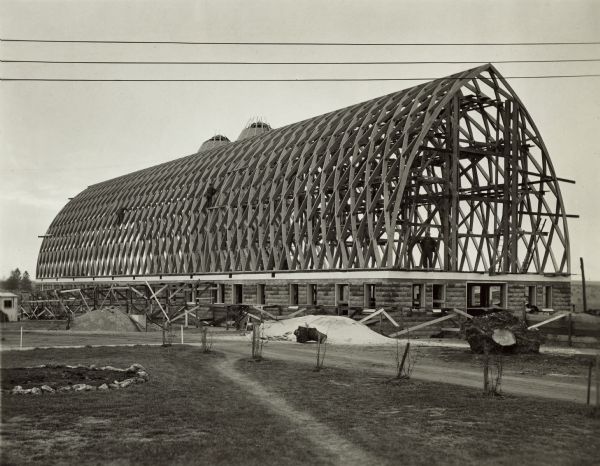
355	188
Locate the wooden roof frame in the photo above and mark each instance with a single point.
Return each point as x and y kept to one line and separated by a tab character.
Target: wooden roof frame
352	189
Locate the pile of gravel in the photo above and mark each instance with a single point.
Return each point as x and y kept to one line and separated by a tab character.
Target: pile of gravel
108	319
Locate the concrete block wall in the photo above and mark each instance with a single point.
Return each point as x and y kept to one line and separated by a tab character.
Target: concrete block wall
357	295
395	295
228	293
302	293
326	294
456	295
250	293
561	297
277	294
517	294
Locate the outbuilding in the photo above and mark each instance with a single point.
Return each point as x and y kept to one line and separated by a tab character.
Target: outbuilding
9	306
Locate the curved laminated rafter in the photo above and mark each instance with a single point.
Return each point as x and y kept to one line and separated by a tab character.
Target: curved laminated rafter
459	157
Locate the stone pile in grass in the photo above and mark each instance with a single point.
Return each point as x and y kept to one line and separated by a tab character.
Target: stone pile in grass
339	330
57	378
107	319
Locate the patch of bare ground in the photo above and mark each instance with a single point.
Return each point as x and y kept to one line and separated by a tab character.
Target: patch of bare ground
419	423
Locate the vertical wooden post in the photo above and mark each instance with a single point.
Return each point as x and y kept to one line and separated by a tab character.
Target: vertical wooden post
514	188
451	180
598	380
589	384
583	285
254	338
486	369
182	333
506	205
570	328
401	366
21	343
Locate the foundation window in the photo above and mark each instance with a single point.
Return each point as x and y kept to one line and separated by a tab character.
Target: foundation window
311	294
369	294
238	296
341	295
417	295
548	296
260	294
294	294
497	295
531	296
486	295
220	293
439	296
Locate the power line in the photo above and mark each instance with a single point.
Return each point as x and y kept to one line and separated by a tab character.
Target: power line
283	79
367	44
418	62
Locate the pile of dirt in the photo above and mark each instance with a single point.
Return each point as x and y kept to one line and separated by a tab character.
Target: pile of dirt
107	319
501	332
339	330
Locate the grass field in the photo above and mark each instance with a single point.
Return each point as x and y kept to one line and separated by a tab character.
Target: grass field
190	412
186	414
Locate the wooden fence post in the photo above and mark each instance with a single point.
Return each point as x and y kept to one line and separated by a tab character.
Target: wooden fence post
597	380
589	384
570	329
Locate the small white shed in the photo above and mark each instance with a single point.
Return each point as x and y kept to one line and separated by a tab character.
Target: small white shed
9	305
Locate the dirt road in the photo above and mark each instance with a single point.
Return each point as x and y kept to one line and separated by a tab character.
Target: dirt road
376	360
381	361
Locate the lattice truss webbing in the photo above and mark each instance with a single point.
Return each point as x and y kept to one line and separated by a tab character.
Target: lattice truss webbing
357	188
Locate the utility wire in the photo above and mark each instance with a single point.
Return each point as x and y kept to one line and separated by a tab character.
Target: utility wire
368	44
424	62
285	79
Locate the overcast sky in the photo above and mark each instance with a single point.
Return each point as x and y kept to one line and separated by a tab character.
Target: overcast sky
58	138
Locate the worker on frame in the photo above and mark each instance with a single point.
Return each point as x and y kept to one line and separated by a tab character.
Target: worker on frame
428	249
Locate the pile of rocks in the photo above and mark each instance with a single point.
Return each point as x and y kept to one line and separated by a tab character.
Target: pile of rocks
135	374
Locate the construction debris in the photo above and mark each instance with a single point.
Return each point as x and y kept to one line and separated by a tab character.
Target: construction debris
501	332
305	333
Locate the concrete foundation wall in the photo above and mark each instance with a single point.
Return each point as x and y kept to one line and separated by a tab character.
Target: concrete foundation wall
398	295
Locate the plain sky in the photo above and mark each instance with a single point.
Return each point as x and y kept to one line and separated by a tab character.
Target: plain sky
58	138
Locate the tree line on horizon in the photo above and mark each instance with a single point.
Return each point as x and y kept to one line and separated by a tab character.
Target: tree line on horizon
17	281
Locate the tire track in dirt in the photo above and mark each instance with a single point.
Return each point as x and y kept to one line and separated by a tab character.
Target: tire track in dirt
321	436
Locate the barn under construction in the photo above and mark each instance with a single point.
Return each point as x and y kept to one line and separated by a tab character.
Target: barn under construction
438	196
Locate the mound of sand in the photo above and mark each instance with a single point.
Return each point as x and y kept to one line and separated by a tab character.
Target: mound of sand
104	320
339	330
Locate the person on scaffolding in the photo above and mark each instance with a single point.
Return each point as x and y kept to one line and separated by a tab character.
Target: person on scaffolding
428	248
